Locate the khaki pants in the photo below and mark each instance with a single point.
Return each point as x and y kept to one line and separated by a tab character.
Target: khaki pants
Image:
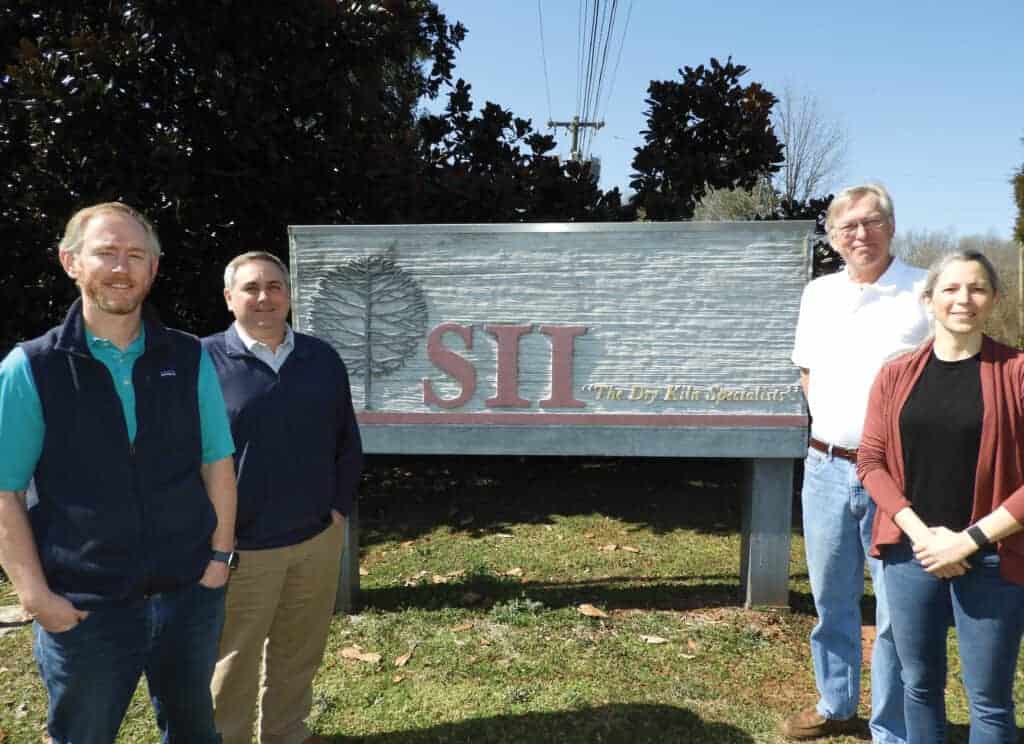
279	606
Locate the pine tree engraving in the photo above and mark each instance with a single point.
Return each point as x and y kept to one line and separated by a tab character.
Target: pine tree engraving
373	312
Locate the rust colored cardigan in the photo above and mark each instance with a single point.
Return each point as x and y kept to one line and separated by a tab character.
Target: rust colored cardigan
999	480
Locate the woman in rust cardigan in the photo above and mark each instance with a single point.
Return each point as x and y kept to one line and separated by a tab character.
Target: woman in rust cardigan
941	455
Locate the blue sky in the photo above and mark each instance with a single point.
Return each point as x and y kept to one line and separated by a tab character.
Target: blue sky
932	93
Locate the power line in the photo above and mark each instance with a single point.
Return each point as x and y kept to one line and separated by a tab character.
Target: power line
544	57
581	13
595	40
618	59
606	37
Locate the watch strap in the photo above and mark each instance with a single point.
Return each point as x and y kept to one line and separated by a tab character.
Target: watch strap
224	556
978	535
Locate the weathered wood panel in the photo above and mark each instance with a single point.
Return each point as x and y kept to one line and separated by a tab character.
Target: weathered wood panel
616	334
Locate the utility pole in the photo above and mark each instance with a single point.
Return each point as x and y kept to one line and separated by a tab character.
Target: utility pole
575	126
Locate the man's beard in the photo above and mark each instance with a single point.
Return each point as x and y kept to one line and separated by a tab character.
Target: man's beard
114	302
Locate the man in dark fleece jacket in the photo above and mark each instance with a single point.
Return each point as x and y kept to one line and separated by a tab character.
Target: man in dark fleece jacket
298	457
122	554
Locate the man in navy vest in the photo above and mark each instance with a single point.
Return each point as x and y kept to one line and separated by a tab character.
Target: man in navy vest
299	458
122	553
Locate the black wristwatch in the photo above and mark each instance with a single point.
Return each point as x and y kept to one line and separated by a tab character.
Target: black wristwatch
978	535
224	557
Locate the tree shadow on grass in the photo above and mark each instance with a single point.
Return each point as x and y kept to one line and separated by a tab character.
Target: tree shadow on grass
611	593
404	497
633	723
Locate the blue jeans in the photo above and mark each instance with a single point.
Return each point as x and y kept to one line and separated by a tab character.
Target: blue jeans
837	514
988	612
91	671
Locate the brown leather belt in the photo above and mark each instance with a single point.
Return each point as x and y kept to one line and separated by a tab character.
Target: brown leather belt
834	450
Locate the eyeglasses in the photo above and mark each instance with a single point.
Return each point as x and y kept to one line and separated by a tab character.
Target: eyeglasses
850	229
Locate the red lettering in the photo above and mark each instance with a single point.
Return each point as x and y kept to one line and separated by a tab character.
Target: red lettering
507	375
562	348
451	363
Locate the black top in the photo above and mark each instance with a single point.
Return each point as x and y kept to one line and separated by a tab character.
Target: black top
940	426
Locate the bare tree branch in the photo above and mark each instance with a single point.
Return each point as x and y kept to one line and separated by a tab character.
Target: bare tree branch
815	146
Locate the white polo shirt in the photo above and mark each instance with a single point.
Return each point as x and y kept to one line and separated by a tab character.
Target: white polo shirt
845	333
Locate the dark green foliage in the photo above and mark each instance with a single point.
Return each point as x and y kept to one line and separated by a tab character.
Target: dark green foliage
492	167
223	121
226	121
825	260
706	130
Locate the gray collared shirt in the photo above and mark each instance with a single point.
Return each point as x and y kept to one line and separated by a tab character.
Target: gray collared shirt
273	359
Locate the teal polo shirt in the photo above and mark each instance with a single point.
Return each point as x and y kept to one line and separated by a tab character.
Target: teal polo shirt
22	426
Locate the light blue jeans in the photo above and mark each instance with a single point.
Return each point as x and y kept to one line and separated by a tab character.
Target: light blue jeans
989	615
837	514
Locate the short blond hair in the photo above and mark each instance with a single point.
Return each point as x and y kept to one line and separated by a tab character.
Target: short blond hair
234	263
847	195
74	231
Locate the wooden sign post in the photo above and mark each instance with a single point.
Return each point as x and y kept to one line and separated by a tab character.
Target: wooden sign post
620	339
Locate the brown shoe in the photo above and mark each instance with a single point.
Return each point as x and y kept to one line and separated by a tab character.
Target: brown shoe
810	724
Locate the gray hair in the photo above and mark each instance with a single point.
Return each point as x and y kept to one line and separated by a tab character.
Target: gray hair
942	263
74	231
852	193
232	267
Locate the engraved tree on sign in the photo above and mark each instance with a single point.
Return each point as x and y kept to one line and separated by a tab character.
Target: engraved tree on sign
374	312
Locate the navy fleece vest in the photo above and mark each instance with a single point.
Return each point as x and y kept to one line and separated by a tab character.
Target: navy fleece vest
117	521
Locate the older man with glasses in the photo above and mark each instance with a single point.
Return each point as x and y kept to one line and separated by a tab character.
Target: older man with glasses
850	323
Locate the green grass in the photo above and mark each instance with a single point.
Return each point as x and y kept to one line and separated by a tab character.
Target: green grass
478	565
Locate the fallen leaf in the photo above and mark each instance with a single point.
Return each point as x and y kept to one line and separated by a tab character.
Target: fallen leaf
692	645
462	627
590	611
609	547
356	653
408	543
504	535
588	535
416	578
485	642
363	571
514	572
437	579
630	549
398	678
402	660
653	639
